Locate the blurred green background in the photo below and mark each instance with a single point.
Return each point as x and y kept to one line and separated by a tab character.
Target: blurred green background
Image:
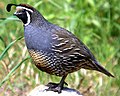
95	22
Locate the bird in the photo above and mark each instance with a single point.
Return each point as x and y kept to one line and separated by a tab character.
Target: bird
54	49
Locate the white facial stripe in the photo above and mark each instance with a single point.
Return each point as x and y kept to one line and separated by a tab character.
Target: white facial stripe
21	7
28	18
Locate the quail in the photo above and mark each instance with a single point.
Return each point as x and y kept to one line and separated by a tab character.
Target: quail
54	49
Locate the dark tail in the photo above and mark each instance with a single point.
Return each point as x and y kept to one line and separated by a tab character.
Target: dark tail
102	69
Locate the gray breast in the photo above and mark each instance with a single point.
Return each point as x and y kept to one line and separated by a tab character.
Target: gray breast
37	38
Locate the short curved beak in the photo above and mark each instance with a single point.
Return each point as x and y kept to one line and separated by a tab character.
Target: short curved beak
17	13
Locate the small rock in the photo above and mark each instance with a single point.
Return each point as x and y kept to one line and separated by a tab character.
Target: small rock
40	91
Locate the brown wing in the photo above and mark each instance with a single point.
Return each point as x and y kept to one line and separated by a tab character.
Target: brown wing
74	53
65	43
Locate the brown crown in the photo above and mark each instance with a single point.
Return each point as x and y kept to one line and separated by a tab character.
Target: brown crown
27	6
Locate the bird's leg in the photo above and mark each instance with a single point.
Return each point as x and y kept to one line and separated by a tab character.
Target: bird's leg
57	87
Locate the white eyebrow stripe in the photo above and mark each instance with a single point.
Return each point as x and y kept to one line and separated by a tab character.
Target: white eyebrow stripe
24	8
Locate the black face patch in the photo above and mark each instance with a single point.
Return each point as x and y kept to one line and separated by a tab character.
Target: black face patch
22	15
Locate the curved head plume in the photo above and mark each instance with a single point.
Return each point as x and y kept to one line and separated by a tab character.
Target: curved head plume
8	8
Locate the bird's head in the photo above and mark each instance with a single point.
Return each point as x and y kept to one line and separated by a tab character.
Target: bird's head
24	12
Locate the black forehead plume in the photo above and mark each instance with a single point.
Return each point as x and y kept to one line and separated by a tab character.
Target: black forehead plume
8	8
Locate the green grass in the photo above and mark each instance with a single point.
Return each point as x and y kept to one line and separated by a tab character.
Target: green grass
95	22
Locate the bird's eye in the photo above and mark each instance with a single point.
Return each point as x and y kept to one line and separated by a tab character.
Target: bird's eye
23	10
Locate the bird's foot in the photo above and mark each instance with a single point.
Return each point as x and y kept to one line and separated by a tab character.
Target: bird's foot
55	87
50	84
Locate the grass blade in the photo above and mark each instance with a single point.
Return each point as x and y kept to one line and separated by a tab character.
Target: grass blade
7	48
13	70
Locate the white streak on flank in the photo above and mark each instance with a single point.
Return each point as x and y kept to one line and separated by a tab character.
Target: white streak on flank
28	18
21	7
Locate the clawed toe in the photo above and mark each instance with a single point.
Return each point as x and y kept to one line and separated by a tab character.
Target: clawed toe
52	85
55	89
